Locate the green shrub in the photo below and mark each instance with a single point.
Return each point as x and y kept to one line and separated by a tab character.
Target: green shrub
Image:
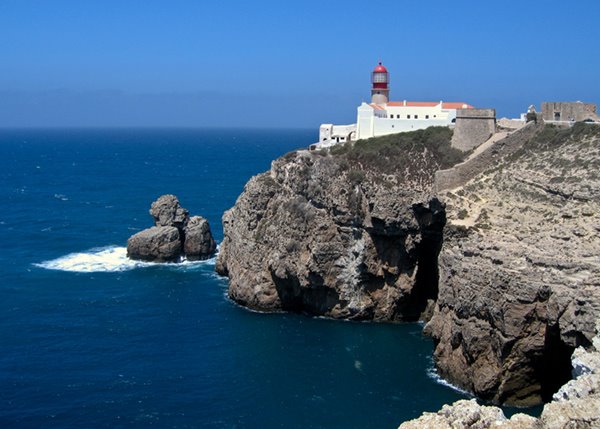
420	151
356	177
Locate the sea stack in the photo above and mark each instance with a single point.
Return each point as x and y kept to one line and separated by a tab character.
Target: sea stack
175	235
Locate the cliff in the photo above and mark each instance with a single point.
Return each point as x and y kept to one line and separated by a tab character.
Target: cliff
575	405
352	234
502	262
519	282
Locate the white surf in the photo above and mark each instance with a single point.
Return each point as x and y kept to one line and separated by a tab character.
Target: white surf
111	259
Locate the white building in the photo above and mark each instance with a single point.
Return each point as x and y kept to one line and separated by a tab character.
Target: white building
330	134
382	116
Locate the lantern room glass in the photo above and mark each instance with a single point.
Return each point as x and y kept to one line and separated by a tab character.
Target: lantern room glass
379	77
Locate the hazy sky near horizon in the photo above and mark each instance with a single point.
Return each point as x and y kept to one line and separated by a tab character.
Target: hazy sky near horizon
284	64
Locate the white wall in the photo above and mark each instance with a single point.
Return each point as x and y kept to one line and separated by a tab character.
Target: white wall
390	126
336	132
325	132
371	124
364	121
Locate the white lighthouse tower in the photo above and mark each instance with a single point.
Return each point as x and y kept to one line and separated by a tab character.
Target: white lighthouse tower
380	92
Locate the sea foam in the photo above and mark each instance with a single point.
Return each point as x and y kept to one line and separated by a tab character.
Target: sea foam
111	259
433	374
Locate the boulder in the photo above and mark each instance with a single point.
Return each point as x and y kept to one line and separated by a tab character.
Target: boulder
199	243
156	244
167	211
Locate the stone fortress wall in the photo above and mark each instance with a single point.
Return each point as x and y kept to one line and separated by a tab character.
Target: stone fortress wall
569	112
476	126
473	127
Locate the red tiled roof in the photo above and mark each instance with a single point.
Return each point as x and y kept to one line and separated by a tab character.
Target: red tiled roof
445	105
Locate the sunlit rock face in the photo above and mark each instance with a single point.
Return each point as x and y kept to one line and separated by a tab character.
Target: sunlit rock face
352	233
519	282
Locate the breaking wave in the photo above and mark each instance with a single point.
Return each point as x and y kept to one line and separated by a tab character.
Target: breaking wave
112	259
433	374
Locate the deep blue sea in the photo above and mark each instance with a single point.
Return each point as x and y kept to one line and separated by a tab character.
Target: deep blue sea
89	339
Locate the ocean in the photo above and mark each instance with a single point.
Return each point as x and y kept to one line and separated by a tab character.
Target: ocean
91	339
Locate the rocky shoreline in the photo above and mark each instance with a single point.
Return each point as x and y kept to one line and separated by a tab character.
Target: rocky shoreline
575	405
502	266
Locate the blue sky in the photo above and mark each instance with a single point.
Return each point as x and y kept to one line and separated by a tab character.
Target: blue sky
284	64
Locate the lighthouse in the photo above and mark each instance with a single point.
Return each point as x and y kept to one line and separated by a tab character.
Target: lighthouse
381	116
379	90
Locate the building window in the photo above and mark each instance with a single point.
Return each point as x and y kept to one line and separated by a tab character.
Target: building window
416	116
426	116
392	116
557	116
435	116
407	116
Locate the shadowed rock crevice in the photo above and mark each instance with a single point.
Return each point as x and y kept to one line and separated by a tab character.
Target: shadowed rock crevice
432	221
313	299
553	369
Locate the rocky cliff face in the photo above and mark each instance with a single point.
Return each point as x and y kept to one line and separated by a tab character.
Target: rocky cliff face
346	235
358	233
519	270
575	405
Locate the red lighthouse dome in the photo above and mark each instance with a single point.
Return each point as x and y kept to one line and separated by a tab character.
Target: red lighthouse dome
380	69
379	89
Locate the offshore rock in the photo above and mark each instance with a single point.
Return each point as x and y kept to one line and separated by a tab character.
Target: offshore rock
519	270
199	243
157	244
174	235
352	233
167	211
